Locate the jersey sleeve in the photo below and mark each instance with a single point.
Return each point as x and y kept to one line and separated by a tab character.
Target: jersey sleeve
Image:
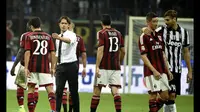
22	40
142	44
71	36
121	42
27	44
100	39
82	45
186	41
51	45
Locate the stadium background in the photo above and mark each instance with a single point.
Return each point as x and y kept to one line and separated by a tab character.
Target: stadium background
86	14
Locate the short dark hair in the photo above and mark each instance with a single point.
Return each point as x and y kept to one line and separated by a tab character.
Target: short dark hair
35	22
66	18
106	19
150	15
171	13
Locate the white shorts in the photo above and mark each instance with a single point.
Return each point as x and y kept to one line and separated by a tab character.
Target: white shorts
21	78
154	85
42	79
111	77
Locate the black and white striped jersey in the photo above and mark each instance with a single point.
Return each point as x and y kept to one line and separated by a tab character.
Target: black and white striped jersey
174	41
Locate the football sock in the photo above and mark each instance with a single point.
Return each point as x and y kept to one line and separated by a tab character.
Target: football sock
94	103
36	96
160	103
31	103
20	96
70	103
117	101
64	100
52	100
152	106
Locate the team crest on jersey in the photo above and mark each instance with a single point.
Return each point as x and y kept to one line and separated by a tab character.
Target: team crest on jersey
159	37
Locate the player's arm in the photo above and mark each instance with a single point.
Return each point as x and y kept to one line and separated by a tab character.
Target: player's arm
167	66
122	54
99	55
122	51
27	48
84	59
143	51
20	54
72	39
53	62
148	63
26	62
186	56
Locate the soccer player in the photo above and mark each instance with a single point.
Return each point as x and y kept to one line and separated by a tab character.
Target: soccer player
156	71
80	50
176	40
110	55
20	58
38	46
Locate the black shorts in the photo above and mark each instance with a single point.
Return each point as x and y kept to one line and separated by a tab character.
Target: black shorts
175	84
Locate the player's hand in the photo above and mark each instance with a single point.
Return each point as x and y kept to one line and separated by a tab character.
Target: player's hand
189	77
55	35
170	76
84	72
52	71
27	73
97	73
157	75
12	71
146	30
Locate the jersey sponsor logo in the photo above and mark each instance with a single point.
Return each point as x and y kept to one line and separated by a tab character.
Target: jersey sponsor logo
154	47
174	43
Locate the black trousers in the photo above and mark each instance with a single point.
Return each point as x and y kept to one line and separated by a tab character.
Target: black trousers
67	72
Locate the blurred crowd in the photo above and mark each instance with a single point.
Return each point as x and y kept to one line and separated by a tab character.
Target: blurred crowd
50	10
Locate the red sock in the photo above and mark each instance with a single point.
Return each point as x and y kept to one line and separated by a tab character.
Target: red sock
64	98
94	103
31	104
153	105
36	95
160	103
20	96
117	101
52	100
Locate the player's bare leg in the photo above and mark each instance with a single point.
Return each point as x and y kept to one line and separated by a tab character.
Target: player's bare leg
64	99
170	105
95	98
163	98
20	99
51	97
152	102
117	98
31	98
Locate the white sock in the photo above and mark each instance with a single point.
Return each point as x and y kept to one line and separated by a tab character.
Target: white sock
165	108
169	108
172	107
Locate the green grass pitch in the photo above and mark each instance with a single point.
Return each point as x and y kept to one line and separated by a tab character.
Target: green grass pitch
130	102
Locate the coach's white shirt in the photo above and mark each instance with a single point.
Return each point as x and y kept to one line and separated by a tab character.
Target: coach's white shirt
68	50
